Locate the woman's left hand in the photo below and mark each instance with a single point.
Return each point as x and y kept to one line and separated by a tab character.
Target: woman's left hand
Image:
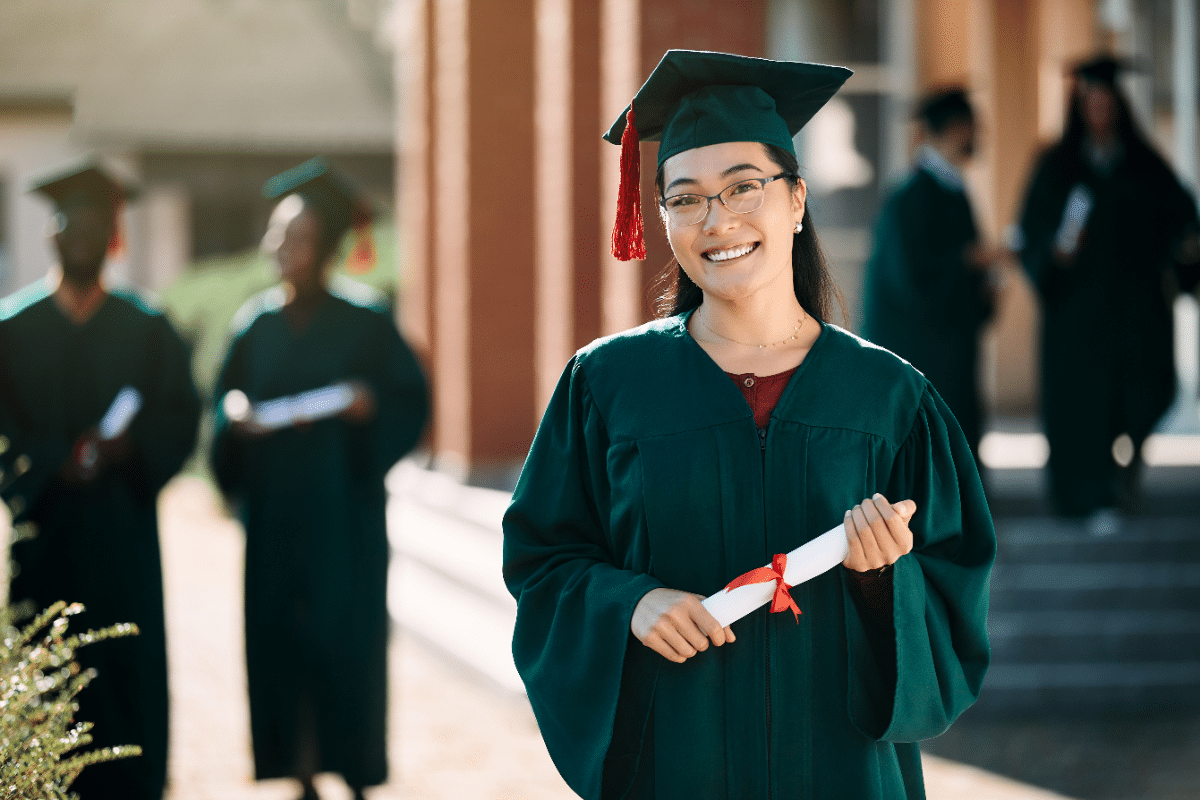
878	533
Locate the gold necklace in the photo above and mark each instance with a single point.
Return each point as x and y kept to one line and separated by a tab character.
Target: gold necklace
792	338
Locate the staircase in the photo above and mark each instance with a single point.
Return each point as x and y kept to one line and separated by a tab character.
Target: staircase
1086	625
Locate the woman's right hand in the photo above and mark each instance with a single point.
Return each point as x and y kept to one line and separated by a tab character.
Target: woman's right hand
676	625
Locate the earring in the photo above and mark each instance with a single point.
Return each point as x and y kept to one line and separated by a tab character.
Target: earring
799	227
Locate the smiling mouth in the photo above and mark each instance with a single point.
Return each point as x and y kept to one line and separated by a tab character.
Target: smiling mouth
730	253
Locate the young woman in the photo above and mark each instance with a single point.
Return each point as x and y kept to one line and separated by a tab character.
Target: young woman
679	455
310	487
1104	221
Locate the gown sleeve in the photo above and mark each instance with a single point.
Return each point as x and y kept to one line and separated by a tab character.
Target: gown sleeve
574	603
401	398
163	434
1040	217
227	455
31	459
940	591
932	248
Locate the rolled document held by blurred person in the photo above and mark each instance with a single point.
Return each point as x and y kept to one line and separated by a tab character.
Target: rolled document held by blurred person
284	412
116	420
125	406
1075	216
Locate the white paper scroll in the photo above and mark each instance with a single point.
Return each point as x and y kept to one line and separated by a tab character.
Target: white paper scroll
284	412
1075	216
803	564
120	414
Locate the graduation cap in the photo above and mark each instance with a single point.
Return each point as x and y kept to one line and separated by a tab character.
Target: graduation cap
338	203
940	107
1103	68
89	183
695	98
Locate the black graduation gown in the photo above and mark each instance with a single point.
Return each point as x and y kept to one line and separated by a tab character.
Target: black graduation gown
97	544
313	500
647	471
1107	336
921	300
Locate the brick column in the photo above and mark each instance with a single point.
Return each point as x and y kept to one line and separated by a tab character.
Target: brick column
468	170
507	196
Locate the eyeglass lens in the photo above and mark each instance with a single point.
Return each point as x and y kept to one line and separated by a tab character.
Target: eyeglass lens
740	198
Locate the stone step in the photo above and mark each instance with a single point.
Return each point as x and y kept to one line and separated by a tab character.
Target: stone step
1107	576
1095	648
1083	599
1093	622
1088	688
1045	540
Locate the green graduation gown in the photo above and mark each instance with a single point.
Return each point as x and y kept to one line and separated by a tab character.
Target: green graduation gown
1107	335
312	501
921	300
97	543
647	471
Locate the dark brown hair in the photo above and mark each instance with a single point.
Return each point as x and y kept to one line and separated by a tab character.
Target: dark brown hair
674	292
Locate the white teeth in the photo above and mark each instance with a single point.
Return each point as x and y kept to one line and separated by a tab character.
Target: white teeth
733	252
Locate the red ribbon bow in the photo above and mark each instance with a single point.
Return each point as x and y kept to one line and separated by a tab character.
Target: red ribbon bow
782	599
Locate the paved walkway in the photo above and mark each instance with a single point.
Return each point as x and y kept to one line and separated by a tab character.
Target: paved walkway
453	735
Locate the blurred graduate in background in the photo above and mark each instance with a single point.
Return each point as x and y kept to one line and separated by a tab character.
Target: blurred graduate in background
97	396
1108	234
930	280
317	399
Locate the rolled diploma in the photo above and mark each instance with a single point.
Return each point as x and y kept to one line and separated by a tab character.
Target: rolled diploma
328	401
1075	216
120	414
803	564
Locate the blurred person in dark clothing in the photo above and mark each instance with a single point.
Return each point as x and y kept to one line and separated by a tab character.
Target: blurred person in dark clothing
317	399
1108	233
929	281
97	394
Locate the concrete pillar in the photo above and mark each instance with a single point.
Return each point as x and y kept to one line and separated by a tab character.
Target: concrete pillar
899	49
166	211
1184	71
1184	66
413	35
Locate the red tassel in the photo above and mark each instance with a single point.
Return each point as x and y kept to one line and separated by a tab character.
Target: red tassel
116	243
363	256
628	236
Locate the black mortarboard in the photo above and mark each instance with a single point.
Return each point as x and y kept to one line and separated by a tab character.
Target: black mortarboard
941	107
696	98
335	199
1103	68
88	182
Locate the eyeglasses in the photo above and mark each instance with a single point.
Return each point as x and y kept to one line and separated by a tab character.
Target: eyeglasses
741	198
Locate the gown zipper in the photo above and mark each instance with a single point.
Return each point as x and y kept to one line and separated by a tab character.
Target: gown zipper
762	446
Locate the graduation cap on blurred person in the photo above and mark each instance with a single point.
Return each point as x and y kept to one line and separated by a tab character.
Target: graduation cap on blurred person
339	204
1103	68
942	106
697	98
89	183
